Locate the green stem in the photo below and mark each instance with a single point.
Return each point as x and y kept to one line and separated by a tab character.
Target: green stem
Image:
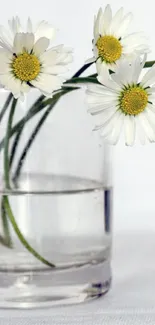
20	236
82	80
81	70
94	75
31	113
149	64
7	237
4	109
5	201
15	146
34	134
6	240
6	147
38	106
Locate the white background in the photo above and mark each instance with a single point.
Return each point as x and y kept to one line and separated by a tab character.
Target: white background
134	177
132	299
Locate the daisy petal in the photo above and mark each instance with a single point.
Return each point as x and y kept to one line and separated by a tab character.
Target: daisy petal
134	42
151	107
124	25
15	25
117	128
25	88
41	45
5	58
151	90
5	37
130	130
108	126
95	36
123	73
61	57
149	77
10	83
99	109
140	132
53	57
18	43
28	41
55	69
100	90
49	57
6	47
29	26
150	114
116	21
149	132
104	119
97	24
44	30
109	83
47	83
137	67
94	98
14	85
68	59
107	18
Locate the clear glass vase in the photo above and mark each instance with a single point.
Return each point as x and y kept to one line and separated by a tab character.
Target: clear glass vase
56	203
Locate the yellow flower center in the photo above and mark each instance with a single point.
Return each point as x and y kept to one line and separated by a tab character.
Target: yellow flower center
133	100
26	67
109	48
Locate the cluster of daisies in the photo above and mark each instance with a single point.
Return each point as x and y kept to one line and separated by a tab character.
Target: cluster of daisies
120	100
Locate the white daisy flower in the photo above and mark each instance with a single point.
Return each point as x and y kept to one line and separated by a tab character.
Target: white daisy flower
122	101
112	42
42	29
30	63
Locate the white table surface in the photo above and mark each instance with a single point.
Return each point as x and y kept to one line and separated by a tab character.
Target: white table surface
130	301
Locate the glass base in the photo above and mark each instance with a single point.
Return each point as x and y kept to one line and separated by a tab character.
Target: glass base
47	288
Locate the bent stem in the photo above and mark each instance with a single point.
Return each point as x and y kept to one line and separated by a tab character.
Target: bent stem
15	146
149	64
35	132
19	133
36	108
83	69
7	237
5	201
20	235
6	146
6	240
5	107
